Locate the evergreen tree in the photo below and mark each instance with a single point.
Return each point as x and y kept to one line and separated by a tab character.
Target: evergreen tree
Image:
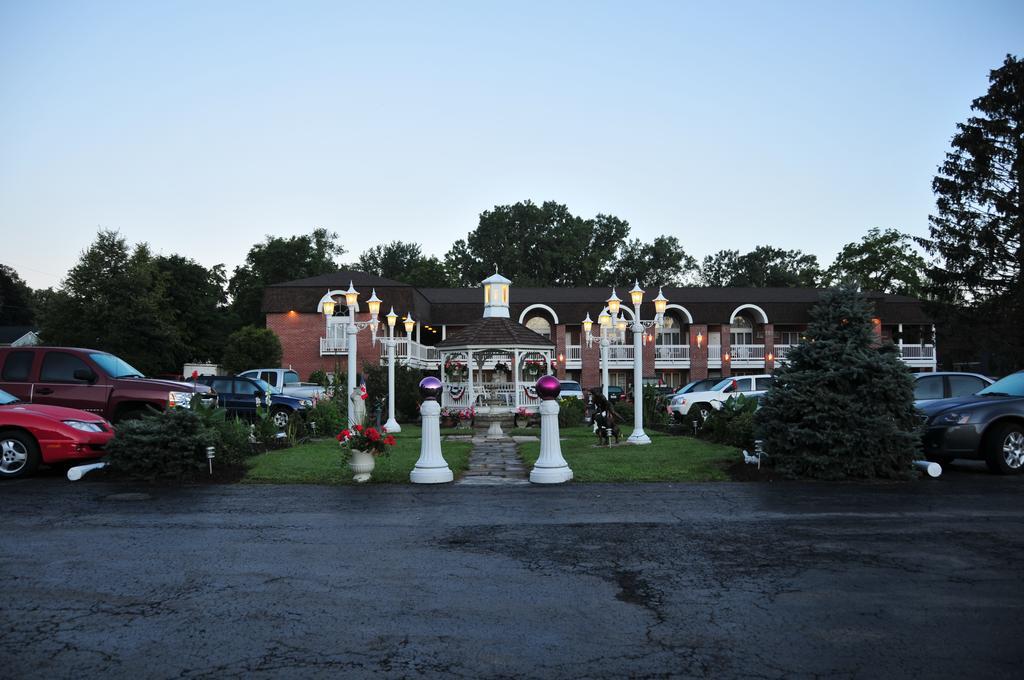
842	406
250	347
16	308
978	231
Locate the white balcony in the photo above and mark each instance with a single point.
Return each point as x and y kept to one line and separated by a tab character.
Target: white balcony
412	353
333	345
672	356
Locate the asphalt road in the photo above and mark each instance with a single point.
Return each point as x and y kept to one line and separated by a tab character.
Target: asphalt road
780	580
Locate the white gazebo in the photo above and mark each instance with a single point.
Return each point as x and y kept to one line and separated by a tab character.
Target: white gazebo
494	362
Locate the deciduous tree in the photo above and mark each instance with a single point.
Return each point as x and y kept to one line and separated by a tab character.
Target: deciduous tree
16	308
883	261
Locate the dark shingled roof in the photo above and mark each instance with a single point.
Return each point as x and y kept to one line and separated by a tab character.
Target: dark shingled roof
340	280
495	332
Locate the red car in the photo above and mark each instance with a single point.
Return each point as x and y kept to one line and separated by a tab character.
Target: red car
31	434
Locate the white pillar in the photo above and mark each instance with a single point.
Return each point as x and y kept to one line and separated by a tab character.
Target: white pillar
418	324
638	436
431	467
604	367
550	467
350	334
515	381
392	425
444	331
469	372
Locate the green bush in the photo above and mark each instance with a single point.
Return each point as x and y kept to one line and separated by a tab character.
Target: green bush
570	412
169	445
251	347
320	378
232	435
733	424
655	408
329	417
407	391
625	411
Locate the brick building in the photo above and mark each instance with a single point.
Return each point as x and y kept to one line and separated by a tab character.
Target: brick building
709	332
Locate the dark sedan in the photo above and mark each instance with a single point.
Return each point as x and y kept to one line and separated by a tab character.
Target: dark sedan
988	425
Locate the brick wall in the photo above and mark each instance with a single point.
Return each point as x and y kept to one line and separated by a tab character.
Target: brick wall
769	347
590	372
560	350
726	349
698	355
300	344
649	352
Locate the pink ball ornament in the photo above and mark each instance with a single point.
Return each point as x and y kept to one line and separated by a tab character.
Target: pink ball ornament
548	387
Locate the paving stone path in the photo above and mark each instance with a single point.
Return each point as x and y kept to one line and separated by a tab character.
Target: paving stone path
495	461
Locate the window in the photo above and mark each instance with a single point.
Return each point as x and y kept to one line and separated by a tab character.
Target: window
764	383
540	325
963	385
114	366
741	332
744	385
222	385
246	388
928	388
671	333
61	367
290	377
270	377
787	337
18	366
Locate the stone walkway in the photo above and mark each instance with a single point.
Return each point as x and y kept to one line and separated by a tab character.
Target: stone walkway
495	461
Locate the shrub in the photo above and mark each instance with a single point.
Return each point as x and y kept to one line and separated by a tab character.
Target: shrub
733	424
570	412
625	411
407	392
231	435
251	347
328	416
167	445
655	408
320	378
842	406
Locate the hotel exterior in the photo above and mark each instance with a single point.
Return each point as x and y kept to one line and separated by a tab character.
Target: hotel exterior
708	332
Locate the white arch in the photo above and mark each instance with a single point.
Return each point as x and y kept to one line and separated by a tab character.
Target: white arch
684	310
330	296
764	316
538	305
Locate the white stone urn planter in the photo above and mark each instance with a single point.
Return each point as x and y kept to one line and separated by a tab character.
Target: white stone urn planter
362	464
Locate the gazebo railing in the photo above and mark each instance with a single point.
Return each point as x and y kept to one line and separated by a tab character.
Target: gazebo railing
507	394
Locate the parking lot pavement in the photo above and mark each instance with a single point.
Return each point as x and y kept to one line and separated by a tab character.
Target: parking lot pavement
777	580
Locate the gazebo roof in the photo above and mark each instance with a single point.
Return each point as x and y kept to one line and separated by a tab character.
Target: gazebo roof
495	332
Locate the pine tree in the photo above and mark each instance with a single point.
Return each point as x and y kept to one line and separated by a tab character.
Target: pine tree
978	231
842	405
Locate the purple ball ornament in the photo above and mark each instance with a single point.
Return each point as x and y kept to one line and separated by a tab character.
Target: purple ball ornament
430	388
548	387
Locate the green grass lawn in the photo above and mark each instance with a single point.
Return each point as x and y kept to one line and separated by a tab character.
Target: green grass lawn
665	459
319	462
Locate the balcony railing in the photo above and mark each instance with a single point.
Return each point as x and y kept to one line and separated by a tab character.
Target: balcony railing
573	352
413	353
333	345
672	352
917	352
507	394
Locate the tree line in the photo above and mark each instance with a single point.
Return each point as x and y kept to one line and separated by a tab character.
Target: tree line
160	311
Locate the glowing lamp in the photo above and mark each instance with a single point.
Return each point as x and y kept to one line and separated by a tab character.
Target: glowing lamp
770	357
613	304
636	295
660	303
374	304
620	325
587	325
700	339
392	318
351	296
604	319
329	308
410	324
726	357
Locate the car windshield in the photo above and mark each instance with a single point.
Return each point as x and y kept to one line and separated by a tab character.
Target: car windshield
291	377
7	398
115	367
1010	386
267	387
571	386
722	386
694	386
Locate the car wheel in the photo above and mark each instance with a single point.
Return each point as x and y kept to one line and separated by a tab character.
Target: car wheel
280	417
1005	454
19	454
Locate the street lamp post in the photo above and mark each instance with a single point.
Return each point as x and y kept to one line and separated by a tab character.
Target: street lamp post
392	425
352	328
608	334
636	296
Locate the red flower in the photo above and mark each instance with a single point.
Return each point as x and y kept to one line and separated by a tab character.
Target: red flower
359	428
341	435
390	440
345	434
373	435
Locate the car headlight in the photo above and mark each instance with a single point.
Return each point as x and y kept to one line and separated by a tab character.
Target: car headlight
83	426
182	399
305	403
954	418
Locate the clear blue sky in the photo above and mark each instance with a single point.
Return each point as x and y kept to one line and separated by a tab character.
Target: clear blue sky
201	127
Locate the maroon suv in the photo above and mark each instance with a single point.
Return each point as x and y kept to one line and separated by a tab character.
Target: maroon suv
90	380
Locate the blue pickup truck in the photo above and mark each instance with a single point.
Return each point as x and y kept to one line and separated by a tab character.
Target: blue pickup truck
240	395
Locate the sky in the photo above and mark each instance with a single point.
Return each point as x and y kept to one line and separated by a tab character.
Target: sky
201	127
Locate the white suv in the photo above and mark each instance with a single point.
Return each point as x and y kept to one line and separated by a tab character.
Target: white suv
701	403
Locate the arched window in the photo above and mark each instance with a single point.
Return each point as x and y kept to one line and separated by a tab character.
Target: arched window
539	325
672	332
741	332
